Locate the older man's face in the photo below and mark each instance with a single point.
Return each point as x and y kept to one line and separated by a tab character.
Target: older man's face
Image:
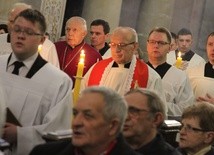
138	123
75	33
122	50
90	129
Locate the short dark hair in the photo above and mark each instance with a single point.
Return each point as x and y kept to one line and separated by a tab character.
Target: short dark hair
162	30
184	31
211	34
102	22
35	17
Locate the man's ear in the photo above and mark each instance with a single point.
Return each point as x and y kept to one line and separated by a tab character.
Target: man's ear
136	46
84	33
114	126
158	119
42	40
209	137
107	36
170	47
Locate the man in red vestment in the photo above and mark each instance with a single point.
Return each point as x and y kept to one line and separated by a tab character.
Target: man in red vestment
69	50
123	71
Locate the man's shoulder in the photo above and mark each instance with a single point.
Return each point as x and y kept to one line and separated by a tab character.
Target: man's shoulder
122	147
152	73
52	70
3	36
53	148
60	43
89	49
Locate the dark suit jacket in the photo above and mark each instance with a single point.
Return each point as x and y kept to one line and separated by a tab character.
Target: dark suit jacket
66	148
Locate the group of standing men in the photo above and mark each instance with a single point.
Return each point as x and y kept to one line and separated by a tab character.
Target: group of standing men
40	96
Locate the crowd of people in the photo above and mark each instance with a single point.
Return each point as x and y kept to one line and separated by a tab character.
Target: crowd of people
123	99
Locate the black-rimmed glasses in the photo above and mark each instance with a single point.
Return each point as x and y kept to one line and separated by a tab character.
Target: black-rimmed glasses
26	31
189	128
160	43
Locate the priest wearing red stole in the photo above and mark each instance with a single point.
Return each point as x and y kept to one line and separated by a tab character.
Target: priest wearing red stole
123	71
69	50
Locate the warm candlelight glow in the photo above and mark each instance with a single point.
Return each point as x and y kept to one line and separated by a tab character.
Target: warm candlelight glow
78	77
40	48
179	60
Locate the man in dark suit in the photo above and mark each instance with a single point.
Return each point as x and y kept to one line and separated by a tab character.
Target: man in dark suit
98	119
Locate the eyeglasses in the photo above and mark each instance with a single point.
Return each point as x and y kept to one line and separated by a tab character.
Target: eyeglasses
120	45
26	31
134	112
160	43
189	128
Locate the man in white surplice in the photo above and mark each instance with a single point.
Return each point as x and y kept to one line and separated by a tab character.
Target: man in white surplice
48	50
37	93
123	71
176	84
202	77
190	58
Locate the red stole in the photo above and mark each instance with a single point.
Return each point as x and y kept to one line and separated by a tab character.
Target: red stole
140	73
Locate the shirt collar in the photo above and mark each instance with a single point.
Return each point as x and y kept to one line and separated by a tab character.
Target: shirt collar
28	62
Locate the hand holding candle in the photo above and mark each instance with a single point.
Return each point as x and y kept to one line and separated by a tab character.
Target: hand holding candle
179	60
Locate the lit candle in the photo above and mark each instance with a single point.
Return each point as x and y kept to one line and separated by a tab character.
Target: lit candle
40	48
78	77
179	60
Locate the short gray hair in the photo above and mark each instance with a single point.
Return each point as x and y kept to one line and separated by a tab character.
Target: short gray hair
131	33
115	104
78	19
22	6
154	103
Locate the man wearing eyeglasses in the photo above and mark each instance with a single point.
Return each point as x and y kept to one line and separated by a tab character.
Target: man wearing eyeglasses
197	130
123	71
189	58
37	93
48	50
176	84
146	113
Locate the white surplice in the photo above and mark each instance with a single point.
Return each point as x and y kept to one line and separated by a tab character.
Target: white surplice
2	109
48	51
41	104
195	61
178	91
201	85
120	79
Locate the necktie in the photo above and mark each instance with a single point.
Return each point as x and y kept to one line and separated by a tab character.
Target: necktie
17	65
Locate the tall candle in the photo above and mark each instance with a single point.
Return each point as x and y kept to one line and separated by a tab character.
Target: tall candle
78	77
179	60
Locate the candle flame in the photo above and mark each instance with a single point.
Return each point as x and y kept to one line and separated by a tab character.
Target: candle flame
82	52
179	54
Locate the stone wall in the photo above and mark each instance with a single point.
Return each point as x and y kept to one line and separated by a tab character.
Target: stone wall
143	15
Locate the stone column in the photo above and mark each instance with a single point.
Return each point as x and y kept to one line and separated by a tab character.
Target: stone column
53	11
